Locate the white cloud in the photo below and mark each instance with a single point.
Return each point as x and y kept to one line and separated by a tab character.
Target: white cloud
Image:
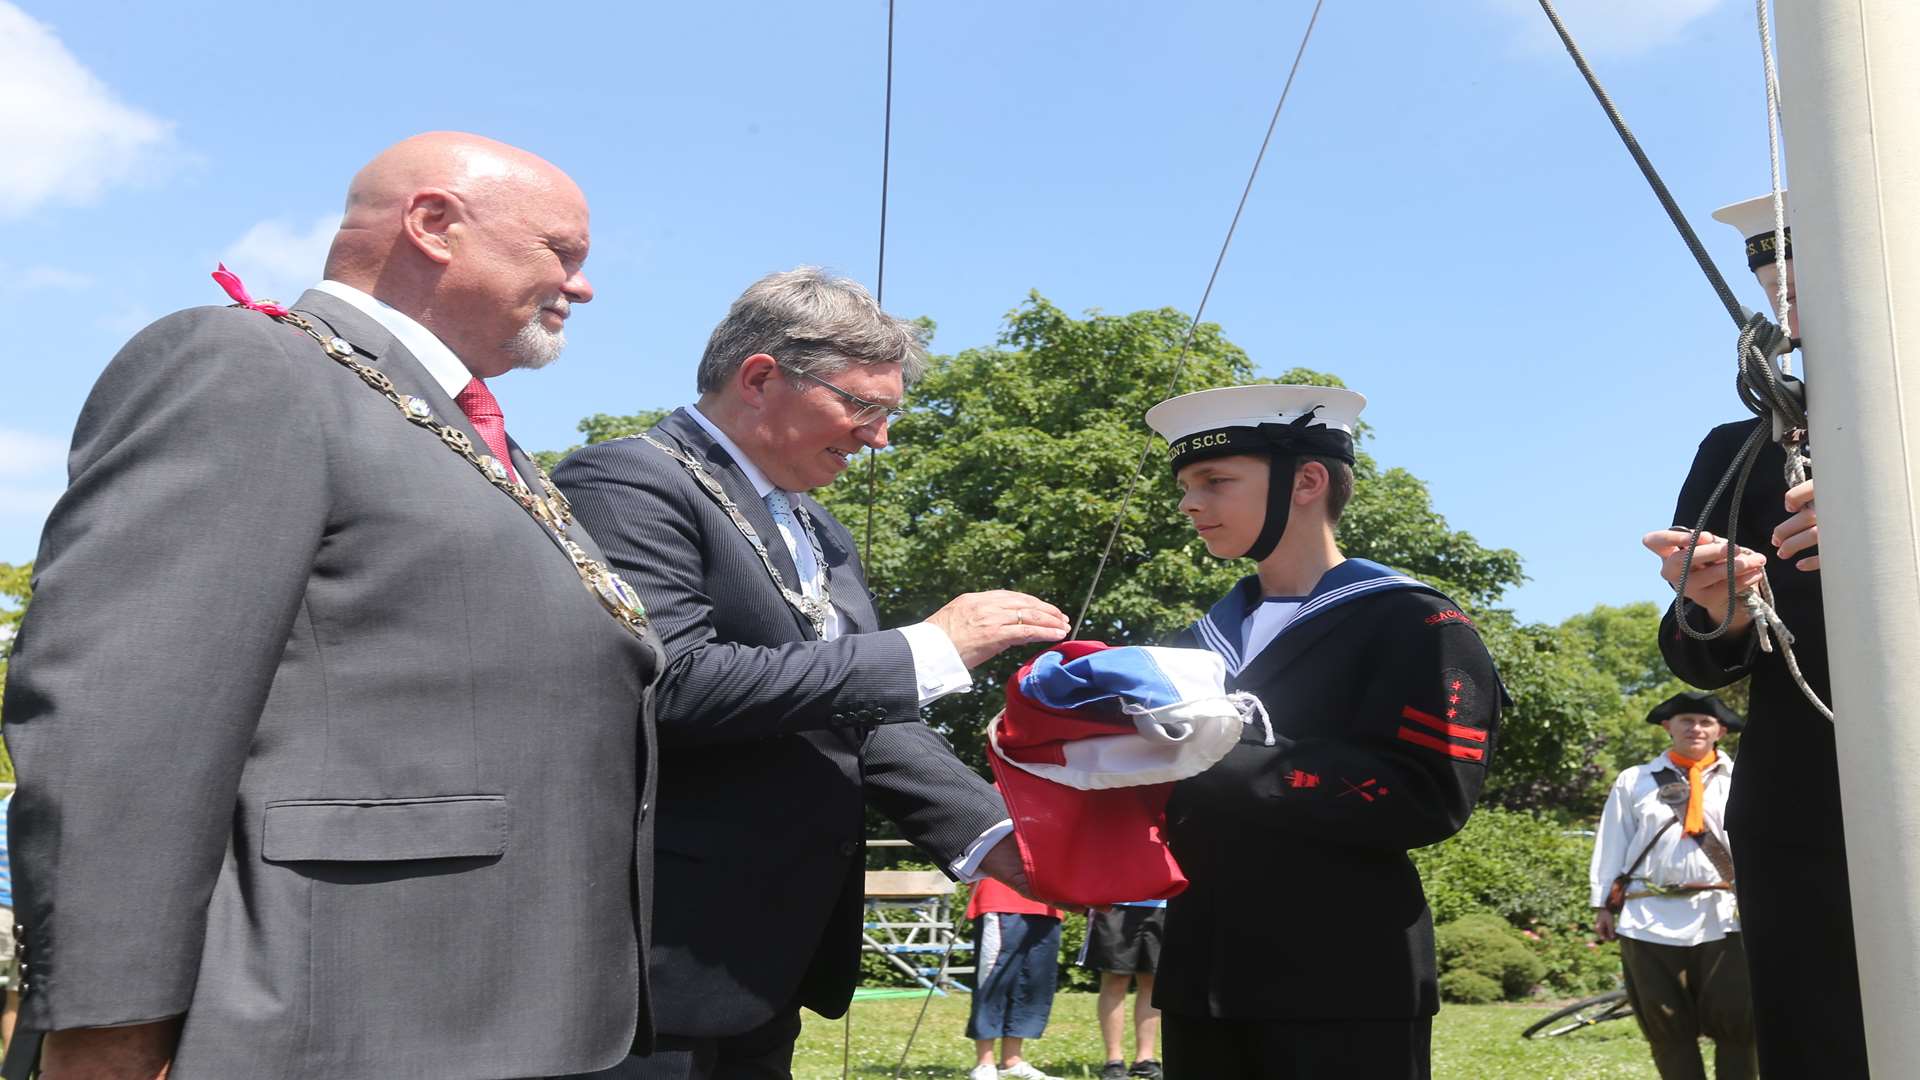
42	277
1606	27
66	138
33	473
30	454
125	319
52	277
28	506
278	261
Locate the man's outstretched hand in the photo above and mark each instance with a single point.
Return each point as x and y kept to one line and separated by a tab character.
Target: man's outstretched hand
982	625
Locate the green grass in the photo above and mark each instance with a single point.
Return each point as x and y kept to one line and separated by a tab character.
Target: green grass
1470	1042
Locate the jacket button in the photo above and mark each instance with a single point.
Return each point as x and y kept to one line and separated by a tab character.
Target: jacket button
848	847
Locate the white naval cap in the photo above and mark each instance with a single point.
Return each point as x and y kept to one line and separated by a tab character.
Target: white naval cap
1267	418
1754	221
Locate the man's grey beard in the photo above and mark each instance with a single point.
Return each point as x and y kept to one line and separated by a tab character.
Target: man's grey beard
535	346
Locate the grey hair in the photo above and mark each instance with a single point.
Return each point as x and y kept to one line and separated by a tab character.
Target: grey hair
811	321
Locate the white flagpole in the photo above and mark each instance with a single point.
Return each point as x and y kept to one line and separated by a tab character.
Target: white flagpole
1851	89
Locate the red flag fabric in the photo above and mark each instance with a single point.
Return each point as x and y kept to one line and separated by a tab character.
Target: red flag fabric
1086	774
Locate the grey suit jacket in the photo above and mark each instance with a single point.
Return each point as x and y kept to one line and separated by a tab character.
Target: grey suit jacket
321	741
771	742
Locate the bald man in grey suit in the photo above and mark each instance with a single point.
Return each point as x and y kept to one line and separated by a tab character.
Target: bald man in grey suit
334	737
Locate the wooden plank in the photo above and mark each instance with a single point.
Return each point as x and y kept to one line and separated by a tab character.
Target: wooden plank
907	884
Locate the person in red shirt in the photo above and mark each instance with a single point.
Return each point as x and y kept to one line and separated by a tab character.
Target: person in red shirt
1016	949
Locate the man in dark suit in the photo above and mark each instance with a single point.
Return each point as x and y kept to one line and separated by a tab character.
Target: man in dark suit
785	707
331	764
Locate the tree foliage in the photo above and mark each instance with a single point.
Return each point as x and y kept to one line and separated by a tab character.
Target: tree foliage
16	588
1012	462
599	428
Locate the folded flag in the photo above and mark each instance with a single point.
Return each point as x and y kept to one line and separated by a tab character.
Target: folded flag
1086	753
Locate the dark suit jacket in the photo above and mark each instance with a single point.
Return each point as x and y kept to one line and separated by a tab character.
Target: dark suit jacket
770	742
321	740
1787	788
1302	903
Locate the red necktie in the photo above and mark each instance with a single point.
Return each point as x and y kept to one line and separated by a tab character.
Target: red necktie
478	403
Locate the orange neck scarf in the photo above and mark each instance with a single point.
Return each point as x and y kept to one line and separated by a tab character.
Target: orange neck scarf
1695	822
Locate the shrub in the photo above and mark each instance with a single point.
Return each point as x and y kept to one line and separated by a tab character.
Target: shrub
1489	946
1519	866
1576	964
1465	987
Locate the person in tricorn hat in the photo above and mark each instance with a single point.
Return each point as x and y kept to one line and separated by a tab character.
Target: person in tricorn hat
1784	809
1303	945
1662	884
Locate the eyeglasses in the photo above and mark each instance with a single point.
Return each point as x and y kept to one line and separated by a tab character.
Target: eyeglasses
862	412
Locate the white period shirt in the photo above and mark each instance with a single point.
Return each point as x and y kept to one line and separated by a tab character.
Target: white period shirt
938	669
1634	813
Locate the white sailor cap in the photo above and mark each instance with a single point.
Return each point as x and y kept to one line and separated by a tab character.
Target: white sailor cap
1754	220
1270	418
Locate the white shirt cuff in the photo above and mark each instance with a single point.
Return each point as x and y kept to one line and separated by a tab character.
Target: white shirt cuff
937	667
967	867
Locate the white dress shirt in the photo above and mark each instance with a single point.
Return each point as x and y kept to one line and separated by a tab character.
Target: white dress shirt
433	354
1633	815
938	669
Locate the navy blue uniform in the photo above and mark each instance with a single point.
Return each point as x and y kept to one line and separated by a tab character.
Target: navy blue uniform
1789	849
1304	940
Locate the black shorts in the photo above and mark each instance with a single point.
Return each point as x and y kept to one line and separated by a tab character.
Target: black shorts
1125	940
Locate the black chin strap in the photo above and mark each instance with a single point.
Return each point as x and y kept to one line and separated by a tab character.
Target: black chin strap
1280	470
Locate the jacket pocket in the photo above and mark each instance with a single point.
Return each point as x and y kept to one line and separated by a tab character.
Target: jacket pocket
384	830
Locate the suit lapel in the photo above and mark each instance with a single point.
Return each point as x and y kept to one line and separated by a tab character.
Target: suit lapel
689	434
845	577
1292	644
379	349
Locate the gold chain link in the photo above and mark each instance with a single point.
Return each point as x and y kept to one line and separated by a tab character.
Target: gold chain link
551	510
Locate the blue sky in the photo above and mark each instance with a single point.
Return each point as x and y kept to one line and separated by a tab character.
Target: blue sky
1445	219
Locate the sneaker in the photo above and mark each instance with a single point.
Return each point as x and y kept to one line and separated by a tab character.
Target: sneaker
1024	1070
984	1072
1145	1068
1114	1070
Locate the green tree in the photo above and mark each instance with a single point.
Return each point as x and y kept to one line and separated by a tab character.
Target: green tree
599	428
1011	462
16	588
1550	752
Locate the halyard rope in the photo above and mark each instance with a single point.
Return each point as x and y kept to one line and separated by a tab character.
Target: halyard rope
1763	387
1180	362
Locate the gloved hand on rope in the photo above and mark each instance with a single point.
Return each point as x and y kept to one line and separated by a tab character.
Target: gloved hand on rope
1802	530
1707	582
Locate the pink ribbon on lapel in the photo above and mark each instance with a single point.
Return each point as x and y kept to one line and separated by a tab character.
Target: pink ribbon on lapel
231	282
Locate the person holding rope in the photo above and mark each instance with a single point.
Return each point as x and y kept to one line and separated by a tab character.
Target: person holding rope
786	707
1783	812
1662	885
1303	945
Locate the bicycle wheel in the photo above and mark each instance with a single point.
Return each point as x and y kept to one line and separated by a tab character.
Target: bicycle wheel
1583	1013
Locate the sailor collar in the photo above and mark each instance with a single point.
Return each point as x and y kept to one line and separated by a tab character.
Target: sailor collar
1223	627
